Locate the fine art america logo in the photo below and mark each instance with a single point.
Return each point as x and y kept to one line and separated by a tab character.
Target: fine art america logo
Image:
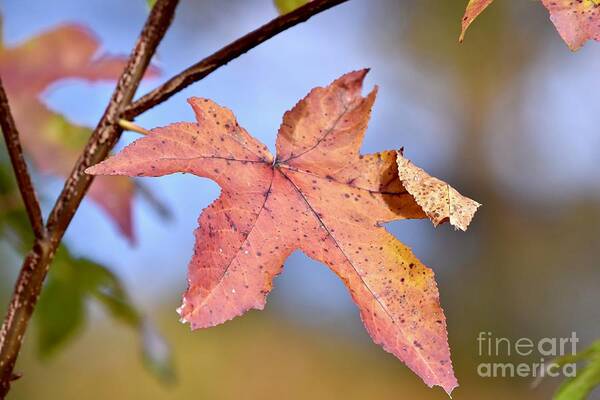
544	351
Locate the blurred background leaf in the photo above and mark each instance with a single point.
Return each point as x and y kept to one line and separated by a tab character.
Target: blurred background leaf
285	6
72	282
588	377
61	307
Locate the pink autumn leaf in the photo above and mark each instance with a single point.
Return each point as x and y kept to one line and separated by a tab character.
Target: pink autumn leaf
318	195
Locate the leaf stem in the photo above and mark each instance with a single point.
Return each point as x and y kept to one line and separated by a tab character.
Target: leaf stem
131	126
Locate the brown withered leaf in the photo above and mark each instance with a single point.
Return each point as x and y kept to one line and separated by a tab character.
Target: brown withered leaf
319	195
440	201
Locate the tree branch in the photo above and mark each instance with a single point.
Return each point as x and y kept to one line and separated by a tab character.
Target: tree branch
13	144
233	50
106	134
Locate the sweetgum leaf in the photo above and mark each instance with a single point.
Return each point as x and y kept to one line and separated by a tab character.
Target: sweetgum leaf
318	195
49	140
575	20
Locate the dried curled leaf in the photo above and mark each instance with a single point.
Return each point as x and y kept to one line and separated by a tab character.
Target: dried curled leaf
319	195
440	201
52	142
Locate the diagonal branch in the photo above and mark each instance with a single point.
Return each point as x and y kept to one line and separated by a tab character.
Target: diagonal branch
233	50
13	144
36	264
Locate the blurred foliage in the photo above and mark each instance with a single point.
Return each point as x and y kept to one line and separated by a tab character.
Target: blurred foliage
61	312
66	134
72	282
285	6
51	142
587	379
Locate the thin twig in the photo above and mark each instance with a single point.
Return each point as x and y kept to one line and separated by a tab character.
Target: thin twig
132	126
233	50
13	144
36	264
